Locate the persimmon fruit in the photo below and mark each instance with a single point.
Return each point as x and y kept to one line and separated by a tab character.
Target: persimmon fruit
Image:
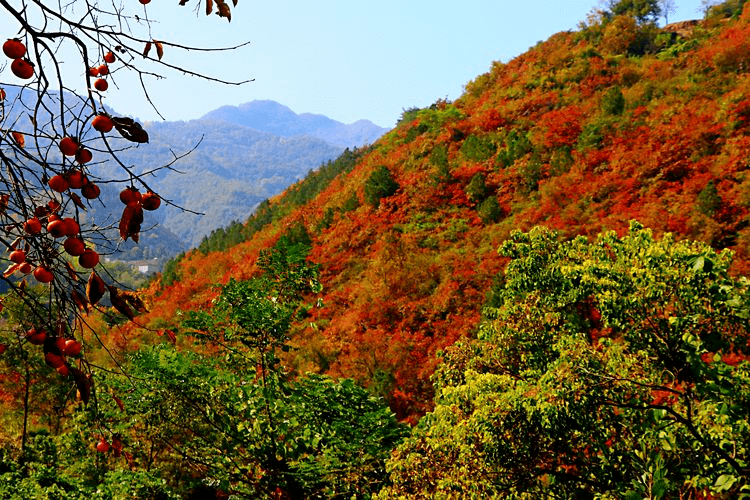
83	156
32	226
102	123
14	48
74	246
72	347
57	228
54	360
90	191
130	195
102	446
93	71
88	259
43	274
26	268
101	84
68	146
109	57
76	179
71	226
22	69
150	201
103	70
17	256
36	336
58	183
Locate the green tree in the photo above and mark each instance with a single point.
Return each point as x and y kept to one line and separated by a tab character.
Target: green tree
642	10
608	369
380	184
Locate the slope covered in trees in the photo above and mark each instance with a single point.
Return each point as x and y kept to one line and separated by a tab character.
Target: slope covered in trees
582	133
596	357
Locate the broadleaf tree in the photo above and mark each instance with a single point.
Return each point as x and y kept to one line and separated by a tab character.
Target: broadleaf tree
613	368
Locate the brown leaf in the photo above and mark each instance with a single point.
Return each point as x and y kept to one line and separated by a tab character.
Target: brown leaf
4	199
119	402
119	303
134	301
171	335
130	129
71	271
159	49
77	200
209	7
19	138
83	384
95	288
130	222
183	2
222	10
147	49
11	269
80	301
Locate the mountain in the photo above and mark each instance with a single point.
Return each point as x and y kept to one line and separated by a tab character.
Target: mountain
274	118
582	133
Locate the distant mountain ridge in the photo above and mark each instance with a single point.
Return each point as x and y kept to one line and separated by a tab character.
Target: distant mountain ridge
274	118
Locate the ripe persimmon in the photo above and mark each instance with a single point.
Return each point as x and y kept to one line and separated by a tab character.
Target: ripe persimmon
130	195
68	146
58	183
71	226
102	123
76	179
43	274
102	446
14	48
54	360
32	226
72	347
90	191
93	71
83	156
57	228
150	201
25	268
103	70
74	246
36	336
17	256
101	85
88	259
22	69
109	57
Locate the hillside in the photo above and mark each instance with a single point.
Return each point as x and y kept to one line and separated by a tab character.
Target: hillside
583	133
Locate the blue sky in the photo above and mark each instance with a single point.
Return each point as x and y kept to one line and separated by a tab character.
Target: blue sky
347	59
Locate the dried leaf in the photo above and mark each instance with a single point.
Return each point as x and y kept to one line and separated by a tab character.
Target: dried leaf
130	222
209	7
159	49
222	10
130	129
71	271
134	301
79	300
95	288
119	303
4	199
19	138
83	384
183	2
11	269
77	200
147	49
172	336
119	402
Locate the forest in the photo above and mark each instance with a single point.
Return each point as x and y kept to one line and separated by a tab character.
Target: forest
538	290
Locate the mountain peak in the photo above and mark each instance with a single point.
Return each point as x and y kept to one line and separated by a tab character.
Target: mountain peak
275	118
